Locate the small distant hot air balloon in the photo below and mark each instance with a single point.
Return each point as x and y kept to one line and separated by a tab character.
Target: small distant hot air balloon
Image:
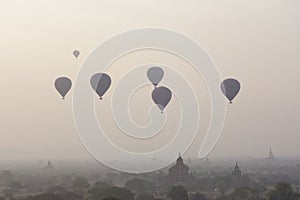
230	88
63	85
161	97
155	75
100	83
76	53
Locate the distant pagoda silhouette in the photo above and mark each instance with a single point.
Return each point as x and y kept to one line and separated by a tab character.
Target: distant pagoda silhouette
271	155
207	160
179	172
237	172
49	166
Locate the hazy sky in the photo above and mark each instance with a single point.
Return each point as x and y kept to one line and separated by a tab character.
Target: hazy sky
257	41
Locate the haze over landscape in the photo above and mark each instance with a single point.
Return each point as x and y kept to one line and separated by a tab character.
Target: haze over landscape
51	50
255	41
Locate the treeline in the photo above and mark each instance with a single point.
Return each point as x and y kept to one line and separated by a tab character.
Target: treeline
104	191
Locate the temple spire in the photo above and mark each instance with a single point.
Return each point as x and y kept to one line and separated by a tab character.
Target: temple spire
236	165
271	155
237	171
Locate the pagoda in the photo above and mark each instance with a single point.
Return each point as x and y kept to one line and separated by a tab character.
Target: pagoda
49	167
179	172
271	155
237	172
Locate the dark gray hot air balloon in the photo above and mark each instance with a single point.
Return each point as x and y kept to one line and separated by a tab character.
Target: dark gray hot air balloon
155	75
100	83
76	53
161	97
230	88
63	85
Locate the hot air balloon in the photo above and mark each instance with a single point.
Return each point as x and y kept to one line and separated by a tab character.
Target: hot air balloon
161	97
155	75
76	53
230	88
63	85
100	83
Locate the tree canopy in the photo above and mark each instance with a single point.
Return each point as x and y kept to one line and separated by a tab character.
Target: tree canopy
283	191
111	192
178	193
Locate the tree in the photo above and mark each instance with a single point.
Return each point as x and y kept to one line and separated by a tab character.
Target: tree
111	192
56	189
198	196
6	177
140	185
178	193
45	196
16	185
283	191
101	185
224	183
8	194
80	183
245	193
145	196
260	188
67	195
63	193
66	181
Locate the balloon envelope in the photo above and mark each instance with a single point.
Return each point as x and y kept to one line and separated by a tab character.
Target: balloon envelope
63	85
76	53
155	75
230	88
161	97
100	83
